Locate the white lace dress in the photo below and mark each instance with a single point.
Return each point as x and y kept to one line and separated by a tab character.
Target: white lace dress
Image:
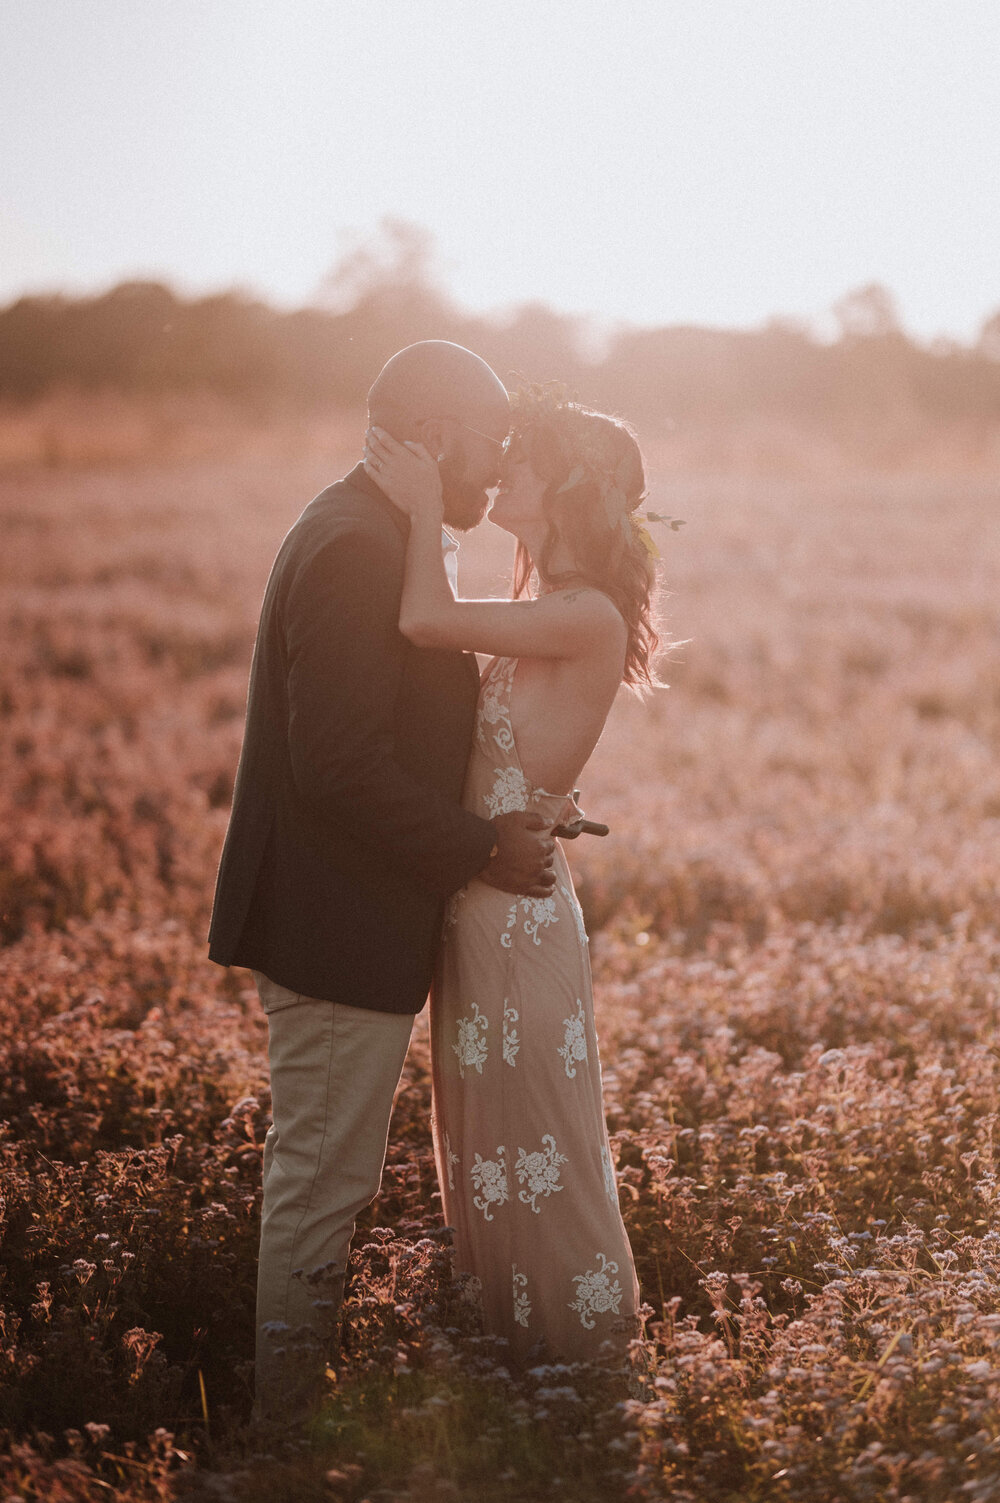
523	1157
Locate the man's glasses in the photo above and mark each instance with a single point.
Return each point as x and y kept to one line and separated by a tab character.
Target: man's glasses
503	444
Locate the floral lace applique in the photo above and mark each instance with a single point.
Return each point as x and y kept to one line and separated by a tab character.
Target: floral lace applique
510	791
540	913
494	707
574	1050
541	1172
450	1160
522	1304
511	1042
596	1295
451	908
609	1175
507	939
471	1047
489	1176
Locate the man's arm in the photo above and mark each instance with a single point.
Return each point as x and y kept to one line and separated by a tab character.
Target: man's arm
345	659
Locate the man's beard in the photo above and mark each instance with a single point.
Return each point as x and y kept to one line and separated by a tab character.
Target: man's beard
465	504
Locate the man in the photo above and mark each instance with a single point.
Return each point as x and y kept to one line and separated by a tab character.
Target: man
346	837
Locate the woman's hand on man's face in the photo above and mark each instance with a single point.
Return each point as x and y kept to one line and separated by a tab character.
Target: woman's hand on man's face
406	473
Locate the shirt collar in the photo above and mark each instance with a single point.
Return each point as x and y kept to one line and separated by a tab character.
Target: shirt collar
449	547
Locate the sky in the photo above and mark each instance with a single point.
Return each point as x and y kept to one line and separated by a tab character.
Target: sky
647	161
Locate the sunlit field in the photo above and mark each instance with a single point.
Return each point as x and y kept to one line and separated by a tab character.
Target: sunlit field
794	935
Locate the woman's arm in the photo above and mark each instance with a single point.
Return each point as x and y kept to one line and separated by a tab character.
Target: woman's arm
565	624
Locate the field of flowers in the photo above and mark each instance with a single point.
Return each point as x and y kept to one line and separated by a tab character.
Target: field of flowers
795	941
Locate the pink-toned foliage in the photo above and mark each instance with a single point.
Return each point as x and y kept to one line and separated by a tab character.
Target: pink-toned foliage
796	953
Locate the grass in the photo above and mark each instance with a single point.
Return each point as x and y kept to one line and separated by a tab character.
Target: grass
793	930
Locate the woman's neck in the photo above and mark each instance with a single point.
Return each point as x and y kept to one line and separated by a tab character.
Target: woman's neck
559	562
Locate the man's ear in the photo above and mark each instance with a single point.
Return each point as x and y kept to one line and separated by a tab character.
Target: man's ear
430	433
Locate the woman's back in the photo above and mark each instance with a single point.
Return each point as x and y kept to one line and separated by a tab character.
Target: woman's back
558	708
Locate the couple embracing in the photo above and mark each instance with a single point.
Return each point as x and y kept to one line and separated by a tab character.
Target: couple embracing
393	831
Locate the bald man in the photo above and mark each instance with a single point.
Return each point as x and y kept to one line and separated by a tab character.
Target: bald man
345	839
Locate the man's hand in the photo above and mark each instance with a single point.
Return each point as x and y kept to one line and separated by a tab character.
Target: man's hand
523	863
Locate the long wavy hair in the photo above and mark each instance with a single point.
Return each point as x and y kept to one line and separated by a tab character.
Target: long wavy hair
595	480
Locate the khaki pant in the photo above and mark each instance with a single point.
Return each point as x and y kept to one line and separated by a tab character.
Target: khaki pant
334	1071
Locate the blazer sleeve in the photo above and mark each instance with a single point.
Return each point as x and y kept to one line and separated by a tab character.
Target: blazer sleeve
344	664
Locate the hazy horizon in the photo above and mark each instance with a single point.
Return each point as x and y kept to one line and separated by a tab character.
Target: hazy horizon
718	166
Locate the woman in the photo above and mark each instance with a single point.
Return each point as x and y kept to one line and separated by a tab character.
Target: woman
524	1162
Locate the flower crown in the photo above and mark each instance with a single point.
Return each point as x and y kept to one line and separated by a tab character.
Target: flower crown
592	457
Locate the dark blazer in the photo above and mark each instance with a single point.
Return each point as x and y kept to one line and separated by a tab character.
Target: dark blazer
346	833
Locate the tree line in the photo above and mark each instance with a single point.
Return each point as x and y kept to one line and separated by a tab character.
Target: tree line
143	337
